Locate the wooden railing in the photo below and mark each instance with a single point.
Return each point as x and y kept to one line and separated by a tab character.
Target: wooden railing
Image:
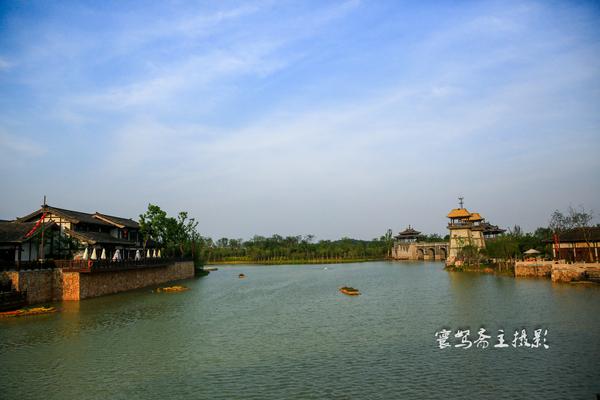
91	266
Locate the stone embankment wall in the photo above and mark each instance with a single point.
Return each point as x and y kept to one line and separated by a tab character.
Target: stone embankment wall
574	272
54	285
40	285
533	268
94	285
558	272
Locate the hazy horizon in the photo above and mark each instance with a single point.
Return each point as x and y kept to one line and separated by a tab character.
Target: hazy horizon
340	118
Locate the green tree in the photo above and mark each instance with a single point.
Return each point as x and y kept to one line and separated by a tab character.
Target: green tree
167	232
153	225
388	239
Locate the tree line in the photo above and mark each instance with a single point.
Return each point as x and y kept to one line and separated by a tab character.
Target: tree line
179	236
279	249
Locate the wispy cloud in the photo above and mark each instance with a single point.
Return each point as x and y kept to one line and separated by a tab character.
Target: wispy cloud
4	64
14	147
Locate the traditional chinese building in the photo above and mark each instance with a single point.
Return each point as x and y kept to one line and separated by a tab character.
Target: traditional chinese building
16	244
97	231
408	235
55	254
408	247
467	229
580	244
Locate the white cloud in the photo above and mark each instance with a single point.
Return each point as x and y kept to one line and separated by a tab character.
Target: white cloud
5	64
13	146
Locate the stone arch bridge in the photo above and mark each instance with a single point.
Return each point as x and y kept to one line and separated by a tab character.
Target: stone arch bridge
428	251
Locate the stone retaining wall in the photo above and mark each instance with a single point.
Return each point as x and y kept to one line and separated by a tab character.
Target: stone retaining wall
94	285
533	268
40	285
573	272
557	271
44	286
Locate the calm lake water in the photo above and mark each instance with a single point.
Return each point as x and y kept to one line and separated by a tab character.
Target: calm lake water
285	332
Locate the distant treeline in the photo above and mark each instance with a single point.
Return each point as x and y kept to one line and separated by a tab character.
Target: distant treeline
179	236
290	249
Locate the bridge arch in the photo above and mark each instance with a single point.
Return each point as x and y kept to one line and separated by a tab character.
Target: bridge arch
443	253
431	253
420	254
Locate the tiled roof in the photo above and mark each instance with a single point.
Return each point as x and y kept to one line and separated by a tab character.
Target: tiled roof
70	215
78	216
120	222
14	232
98	238
591	234
459	213
475	217
409	232
489	229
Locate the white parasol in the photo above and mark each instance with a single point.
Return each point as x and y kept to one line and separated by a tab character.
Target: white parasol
94	256
85	254
138	255
117	255
103	255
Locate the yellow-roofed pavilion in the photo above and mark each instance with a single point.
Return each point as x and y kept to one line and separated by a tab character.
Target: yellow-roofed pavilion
466	229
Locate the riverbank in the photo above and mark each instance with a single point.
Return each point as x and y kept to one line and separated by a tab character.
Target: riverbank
60	284
554	270
295	262
495	268
559	271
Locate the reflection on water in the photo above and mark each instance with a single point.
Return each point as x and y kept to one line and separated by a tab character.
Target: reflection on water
286	332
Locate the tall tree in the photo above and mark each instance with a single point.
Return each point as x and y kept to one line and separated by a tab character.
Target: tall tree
388	239
153	225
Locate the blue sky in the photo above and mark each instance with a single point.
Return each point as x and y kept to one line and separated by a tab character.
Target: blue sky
338	118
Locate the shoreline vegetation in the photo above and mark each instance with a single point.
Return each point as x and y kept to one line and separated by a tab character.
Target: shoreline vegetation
500	268
179	236
283	261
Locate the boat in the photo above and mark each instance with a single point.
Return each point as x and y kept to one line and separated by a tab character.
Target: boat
172	289
241	276
350	291
28	311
